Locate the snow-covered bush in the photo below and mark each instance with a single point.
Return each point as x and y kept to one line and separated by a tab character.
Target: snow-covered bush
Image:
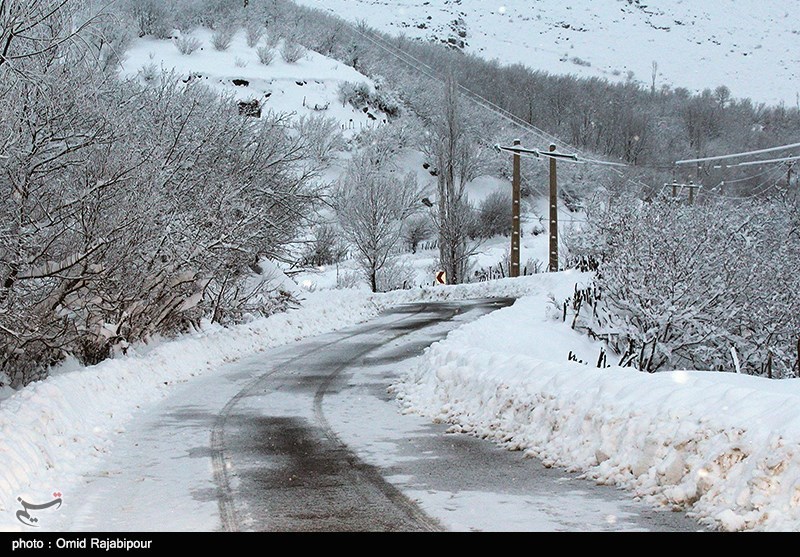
254	31
494	215
151	17
679	285
265	55
292	52
221	38
361	95
357	95
396	274
273	40
322	135
325	248
149	72
187	44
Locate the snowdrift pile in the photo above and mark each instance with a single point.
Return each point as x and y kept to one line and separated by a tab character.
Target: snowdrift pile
724	446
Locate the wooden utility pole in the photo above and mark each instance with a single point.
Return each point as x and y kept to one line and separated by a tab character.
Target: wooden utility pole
691	186
517	150
515	212
553	213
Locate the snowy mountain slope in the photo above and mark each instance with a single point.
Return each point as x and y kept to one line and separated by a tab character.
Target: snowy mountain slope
307	87
748	45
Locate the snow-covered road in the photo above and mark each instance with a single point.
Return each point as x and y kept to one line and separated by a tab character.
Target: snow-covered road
306	437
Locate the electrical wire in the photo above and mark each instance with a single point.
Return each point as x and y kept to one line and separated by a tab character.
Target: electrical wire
761	189
737	155
511	118
769	161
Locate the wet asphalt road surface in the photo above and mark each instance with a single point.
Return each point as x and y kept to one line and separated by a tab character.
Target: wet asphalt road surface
313	442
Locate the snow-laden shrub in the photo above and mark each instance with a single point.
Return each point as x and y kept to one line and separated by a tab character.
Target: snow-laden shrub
361	95
494	215
221	38
357	95
292	52
273	39
325	248
254	32
149	72
396	274
679	286
322	134
186	44
265	55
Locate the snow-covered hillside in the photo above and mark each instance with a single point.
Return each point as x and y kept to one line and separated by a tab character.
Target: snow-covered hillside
748	45
309	86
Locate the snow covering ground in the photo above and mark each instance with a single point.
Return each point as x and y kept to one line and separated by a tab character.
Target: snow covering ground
748	45
57	430
307	87
724	446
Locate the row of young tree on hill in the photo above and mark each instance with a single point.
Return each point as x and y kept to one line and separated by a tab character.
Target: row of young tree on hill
635	121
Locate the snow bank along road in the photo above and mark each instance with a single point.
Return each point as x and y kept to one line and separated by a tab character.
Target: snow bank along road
306	437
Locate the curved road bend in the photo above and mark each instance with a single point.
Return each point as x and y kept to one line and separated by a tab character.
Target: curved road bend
309	445
306	437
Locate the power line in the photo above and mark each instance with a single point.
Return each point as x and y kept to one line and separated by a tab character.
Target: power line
511	118
746	178
737	155
769	161
765	186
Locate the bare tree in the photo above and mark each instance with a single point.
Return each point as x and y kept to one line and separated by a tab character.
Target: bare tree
35	28
453	147
417	229
371	205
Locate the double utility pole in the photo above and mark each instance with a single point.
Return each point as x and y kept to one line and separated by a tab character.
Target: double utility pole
516	198
516	184
691	186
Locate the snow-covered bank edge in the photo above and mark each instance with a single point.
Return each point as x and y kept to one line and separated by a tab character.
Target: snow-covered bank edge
57	429
725	447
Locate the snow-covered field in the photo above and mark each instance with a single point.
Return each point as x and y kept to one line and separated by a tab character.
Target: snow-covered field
748	45
724	446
